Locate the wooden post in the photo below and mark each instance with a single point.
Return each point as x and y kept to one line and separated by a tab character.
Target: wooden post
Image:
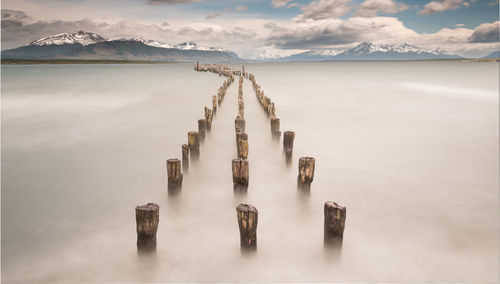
306	172
239	124
194	144
242	148
275	125
214	104
241	108
185	157
240	172
248	217
208	117
240	136
147	218
334	223
288	138
202	128
174	173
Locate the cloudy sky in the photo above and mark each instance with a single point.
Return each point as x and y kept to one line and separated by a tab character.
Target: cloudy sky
264	28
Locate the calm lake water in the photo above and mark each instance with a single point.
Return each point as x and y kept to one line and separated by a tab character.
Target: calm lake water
411	149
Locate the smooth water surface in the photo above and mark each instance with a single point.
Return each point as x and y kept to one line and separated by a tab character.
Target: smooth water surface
411	149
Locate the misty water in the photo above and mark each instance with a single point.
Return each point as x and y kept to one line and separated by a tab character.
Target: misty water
411	149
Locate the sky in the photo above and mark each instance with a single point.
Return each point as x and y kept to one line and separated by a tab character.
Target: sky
264	28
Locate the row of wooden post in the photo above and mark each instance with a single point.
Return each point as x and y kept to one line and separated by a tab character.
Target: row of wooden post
192	148
148	217
239	166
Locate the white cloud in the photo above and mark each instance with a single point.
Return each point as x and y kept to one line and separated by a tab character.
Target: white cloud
325	9
437	6
487	32
370	8
309	33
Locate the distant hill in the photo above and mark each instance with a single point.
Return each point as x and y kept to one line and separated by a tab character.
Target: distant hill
311	55
495	54
368	51
90	46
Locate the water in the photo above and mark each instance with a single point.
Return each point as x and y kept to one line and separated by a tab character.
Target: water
411	149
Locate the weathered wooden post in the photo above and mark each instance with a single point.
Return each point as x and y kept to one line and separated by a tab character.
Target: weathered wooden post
214	104
240	172
202	128
239	124
208	117
174	173
242	148
185	157
334	223
241	108
275	128
275	125
288	138
147	218
194	144
240	136
248	217
306	172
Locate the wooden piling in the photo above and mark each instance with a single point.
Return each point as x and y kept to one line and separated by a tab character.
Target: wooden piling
240	136
275	125
239	124
288	138
306	171
174	173
214	104
208	117
242	148
240	172
202	129
147	218
185	157
194	144
334	223
248	217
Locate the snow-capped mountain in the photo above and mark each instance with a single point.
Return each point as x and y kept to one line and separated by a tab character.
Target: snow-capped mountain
317	54
392	51
182	46
86	45
193	46
149	42
323	52
372	51
81	37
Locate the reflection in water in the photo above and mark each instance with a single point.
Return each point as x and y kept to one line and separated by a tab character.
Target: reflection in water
82	145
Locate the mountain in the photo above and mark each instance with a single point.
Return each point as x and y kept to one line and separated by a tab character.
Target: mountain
312	55
85	45
495	54
367	51
81	37
183	45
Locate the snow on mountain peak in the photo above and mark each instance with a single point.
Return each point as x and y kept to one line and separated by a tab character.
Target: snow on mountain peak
370	47
80	37
193	46
183	45
322	52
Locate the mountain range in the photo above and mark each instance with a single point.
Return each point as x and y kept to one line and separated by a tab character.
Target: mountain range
368	51
87	45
